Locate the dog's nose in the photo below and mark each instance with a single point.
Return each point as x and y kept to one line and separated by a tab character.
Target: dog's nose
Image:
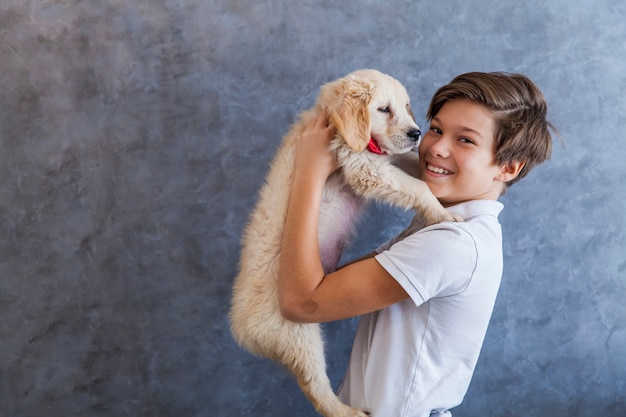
414	134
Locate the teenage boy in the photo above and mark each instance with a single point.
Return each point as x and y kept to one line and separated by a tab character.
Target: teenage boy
425	297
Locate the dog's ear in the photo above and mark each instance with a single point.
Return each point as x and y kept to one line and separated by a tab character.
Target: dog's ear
347	108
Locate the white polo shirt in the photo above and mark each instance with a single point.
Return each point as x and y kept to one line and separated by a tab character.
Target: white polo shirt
416	358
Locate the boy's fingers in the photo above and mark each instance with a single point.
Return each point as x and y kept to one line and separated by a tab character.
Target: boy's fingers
322	118
316	123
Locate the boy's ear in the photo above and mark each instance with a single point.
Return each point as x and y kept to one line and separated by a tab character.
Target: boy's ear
510	170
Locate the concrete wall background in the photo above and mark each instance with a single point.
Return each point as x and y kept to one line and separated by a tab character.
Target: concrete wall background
136	134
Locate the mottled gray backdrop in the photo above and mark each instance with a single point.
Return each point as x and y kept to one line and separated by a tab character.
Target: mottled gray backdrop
136	134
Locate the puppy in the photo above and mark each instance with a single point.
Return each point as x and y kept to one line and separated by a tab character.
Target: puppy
374	122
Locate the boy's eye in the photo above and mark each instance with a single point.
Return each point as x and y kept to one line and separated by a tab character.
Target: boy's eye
435	130
384	109
466	140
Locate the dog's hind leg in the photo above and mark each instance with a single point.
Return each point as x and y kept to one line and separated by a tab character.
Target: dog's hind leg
309	367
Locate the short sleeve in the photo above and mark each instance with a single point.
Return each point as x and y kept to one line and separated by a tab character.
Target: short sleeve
417	223
437	261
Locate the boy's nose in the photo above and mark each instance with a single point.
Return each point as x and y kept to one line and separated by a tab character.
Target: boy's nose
439	148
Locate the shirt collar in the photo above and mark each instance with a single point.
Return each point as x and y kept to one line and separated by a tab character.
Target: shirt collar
474	208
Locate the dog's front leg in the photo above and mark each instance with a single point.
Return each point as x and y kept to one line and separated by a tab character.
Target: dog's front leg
408	162
382	181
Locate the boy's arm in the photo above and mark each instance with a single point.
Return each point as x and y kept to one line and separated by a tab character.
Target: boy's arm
305	293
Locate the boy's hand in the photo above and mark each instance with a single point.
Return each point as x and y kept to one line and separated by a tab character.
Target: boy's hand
313	157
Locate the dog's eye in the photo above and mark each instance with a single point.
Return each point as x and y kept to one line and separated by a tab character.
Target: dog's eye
384	109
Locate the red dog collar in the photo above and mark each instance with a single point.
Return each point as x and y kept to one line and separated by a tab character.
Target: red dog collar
372	146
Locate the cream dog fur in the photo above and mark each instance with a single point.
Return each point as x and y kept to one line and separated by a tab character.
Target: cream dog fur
369	109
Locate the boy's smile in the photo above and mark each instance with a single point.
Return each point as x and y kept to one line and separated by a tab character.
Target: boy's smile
457	154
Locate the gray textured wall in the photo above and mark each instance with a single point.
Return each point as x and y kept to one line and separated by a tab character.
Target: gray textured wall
135	136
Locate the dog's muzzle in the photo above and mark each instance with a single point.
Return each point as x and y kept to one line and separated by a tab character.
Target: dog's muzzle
414	134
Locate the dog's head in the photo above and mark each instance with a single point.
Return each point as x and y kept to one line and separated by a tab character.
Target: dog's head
367	105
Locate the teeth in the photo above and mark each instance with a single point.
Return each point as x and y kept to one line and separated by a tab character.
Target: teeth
438	170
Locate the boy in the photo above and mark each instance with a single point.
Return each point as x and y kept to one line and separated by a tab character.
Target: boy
426	296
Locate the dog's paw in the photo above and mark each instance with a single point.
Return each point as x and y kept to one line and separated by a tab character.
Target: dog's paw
348	411
441	216
456	218
359	413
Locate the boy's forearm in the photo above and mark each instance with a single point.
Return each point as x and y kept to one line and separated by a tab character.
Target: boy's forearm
300	270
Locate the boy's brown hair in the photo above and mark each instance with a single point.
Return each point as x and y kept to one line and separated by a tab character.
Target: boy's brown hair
519	109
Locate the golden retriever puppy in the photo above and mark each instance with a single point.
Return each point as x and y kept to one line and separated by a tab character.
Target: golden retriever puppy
374	122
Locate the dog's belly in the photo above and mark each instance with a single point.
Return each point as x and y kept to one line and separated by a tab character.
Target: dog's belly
339	211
